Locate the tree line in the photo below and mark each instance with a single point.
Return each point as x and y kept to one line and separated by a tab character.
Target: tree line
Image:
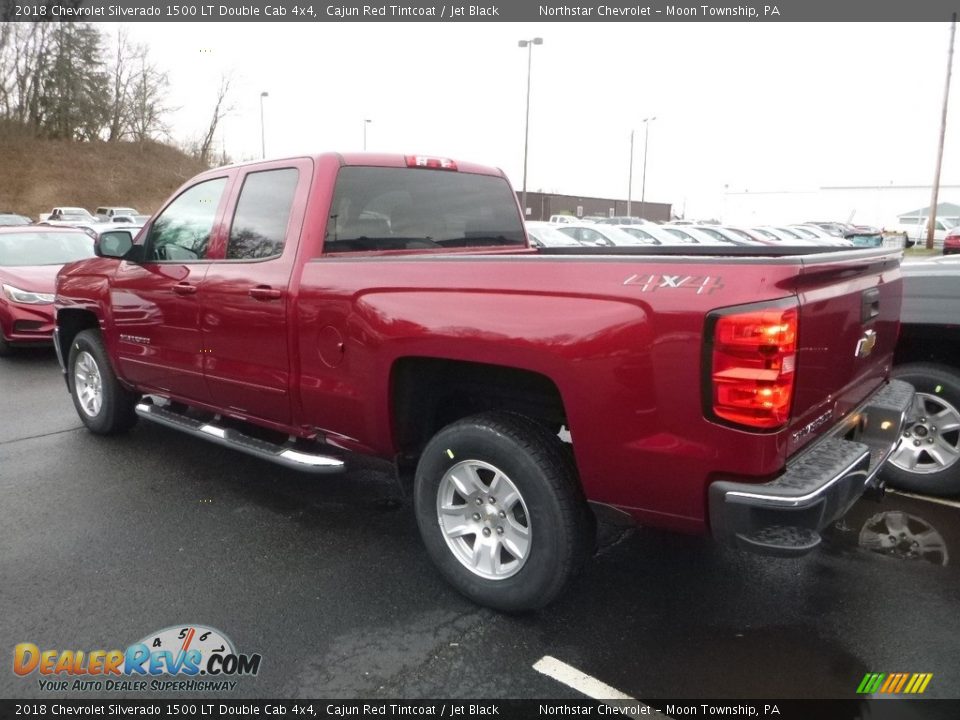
71	81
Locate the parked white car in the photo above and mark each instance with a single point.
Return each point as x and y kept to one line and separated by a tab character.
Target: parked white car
544	234
599	235
915	229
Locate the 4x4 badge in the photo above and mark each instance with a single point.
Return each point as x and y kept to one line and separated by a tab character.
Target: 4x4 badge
866	344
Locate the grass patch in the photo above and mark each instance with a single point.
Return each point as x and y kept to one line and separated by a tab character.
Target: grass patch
37	174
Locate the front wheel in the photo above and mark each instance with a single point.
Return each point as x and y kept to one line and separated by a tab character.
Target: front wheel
501	511
928	459
102	403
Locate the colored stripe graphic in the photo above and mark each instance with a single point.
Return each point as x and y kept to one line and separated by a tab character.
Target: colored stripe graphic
870	683
894	683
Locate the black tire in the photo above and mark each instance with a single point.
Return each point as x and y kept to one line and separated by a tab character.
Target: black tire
562	528
116	411
941	383
5	349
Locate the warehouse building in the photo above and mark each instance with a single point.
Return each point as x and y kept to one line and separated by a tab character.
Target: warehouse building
540	206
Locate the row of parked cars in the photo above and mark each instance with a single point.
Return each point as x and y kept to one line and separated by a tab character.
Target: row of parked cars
78	217
565	231
686	232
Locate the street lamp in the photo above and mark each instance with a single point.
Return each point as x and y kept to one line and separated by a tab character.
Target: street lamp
526	132
365	123
263	133
643	183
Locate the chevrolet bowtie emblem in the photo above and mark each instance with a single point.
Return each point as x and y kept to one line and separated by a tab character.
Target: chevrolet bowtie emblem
866	344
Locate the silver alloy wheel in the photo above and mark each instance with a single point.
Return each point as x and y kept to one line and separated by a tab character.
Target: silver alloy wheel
931	440
484	519
904	536
88	384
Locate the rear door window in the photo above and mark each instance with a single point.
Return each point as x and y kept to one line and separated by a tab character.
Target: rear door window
420	209
259	227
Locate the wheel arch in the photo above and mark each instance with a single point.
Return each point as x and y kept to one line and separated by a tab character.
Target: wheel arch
428	393
928	343
70	322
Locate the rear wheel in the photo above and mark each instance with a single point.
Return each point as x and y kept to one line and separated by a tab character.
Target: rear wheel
928	459
102	403
501	512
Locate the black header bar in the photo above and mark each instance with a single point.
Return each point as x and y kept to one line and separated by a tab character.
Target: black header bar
496	11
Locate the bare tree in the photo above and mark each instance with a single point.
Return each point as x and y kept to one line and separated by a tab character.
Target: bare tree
120	80
26	57
147	109
223	107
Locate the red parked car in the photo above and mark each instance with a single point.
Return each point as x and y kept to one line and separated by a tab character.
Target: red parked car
30	258
951	243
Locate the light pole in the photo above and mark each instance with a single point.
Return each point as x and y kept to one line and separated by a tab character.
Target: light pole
263	132
365	123
630	179
643	183
526	131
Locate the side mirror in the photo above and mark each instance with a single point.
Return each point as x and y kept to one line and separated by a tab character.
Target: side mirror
113	244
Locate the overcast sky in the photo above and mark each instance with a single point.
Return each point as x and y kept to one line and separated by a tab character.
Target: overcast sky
751	106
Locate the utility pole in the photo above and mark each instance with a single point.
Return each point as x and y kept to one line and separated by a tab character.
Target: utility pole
932	220
528	44
630	179
643	182
263	132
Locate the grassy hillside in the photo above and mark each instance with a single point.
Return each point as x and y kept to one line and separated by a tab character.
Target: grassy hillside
36	174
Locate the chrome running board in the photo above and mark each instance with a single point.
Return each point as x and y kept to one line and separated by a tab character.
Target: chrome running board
286	455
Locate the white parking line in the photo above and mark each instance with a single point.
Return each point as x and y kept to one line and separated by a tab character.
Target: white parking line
938	501
593	688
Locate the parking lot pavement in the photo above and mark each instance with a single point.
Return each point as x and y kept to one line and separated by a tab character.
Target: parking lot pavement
106	540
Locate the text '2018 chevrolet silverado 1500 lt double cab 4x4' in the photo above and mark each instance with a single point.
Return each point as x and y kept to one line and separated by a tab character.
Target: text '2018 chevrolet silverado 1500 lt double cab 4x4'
392	306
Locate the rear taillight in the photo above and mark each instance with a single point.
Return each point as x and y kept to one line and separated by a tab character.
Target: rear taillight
752	354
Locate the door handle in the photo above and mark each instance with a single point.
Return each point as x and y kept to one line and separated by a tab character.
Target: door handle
184	288
262	292
869	305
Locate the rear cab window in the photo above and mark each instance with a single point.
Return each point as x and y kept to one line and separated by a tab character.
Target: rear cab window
382	209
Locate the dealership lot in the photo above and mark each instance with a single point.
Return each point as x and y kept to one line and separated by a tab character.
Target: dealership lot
106	540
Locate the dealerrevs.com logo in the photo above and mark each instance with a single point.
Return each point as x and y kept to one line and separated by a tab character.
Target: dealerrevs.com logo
179	658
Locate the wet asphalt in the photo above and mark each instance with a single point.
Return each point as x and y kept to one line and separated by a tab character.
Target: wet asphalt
105	540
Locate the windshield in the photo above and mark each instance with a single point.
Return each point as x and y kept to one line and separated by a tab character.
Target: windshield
40	248
378	208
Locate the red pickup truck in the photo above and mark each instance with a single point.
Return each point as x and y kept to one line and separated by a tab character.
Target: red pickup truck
392	306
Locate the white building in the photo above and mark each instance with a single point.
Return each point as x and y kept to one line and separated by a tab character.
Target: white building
878	205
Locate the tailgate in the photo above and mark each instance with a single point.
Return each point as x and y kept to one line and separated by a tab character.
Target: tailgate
848	326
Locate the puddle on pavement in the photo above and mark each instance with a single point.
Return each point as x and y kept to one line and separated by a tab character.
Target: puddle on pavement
904	528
